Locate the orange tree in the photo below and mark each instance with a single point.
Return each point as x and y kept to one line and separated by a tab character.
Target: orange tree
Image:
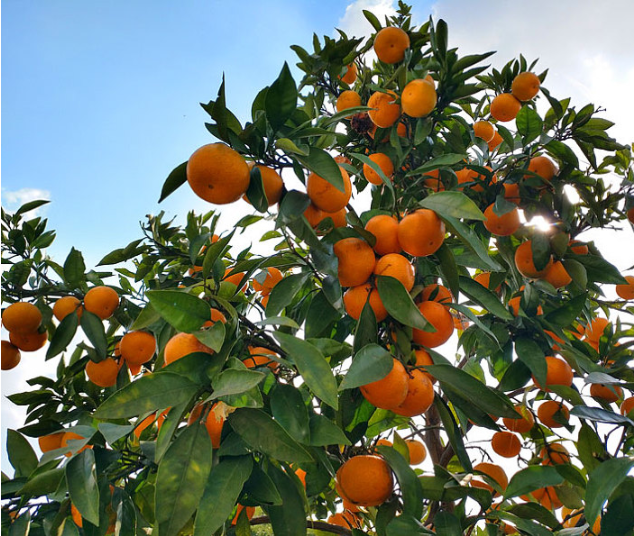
201	390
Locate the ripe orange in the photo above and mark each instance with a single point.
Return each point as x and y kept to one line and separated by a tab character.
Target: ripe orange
506	444
418	98
384	162
215	316
250	510
420	395
421	233
522	425
626	290
495	142
437	293
559	372
218	174
606	393
273	277
505	107
514	304
51	441
396	266
137	347
10	356
101	301
183	344
235	279
554	454
493	471
350	75
512	192
314	215
354	300
76	516
390	391
338	218
417	451
28	342
525	86
346	519
348	99
272	182
484	130
546	412
214	422
547	497
484	278
365	480
356	261
578	248
104	373
504	225
543	166
65	306
149	421
385	229
385	112
21	318
422	360
325	196
72	436
627	406
260	357
439	317
390	44
557	275
432	180
596	328
524	261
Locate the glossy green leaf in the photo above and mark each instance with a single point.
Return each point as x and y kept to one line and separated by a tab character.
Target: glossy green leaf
288	519
255	193
484	297
183	311
532	478
313	367
370	364
602	481
324	432
565	315
448	159
535	511
221	493
20	453
533	357
406	525
367	331
176	178
472	241
600	415
181	479
529	124
147	394
449	269
399	303
447	524
92	326
281	99
453	433
288	408
21	525
407	480
113	432
234	381
31	205
74	268
42	483
262	433
213	337
452	204
63	335
322	163
81	476
284	292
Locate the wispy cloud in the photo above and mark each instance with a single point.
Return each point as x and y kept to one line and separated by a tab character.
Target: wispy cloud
354	22
12	200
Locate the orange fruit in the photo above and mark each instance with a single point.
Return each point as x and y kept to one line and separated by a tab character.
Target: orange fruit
595	330
65	306
396	266
557	275
525	86
547	497
559	372
76	516
421	233
437	293
214	423
439	317
101	301
432	180
325	196
506	444
385	229
484	130
626	290
554	454
51	441
338	218
524	261
314	215
514	304
137	347
384	442
354	300
504	225
417	451
420	395
356	261
493	471
627	406
235	279
10	356
418	98
218	174
273	277
346	519
21	318
522	425
390	44
390	391
250	510
29	342
496	141
215	316
505	107
72	436
104	373
385	112
577	247
365	480
384	162
547	410
272	182
348	99
543	166
484	278
260	357
512	192
350	75
422	360
183	344
606	393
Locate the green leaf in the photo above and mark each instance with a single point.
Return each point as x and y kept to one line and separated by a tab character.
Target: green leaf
288	408
399	303
281	99
443	160
452	204
278	321
31	205
406	525
447	524
312	365
453	433
373	165
449	268
122	254
480	395
213	337
324	432
288	146
533	357
470	239
174	180
92	326
183	311
565	315
262	433
602	481
562	152
63	335
222	490
81	476
371	18
370	364
43	483
407	479
288	519
532	478
320	162
21	526
74	268
181	479
529	124
284	292
255	193
113	432
600	415
367	331
21	454
235	381
600	270
484	297
147	394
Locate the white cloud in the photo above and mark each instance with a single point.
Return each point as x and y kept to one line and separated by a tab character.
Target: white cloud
12	200
354	23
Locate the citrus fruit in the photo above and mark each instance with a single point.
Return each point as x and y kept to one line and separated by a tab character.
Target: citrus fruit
420	395
418	98
137	347
326	196
396	266
355	298
390	391
183	344
390	44
10	356
626	290
385	230
504	225
421	233
385	111
385	164
440	318
505	107
21	317
356	261
101	301
525	86
104	374
547	410
65	306
365	480
506	444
